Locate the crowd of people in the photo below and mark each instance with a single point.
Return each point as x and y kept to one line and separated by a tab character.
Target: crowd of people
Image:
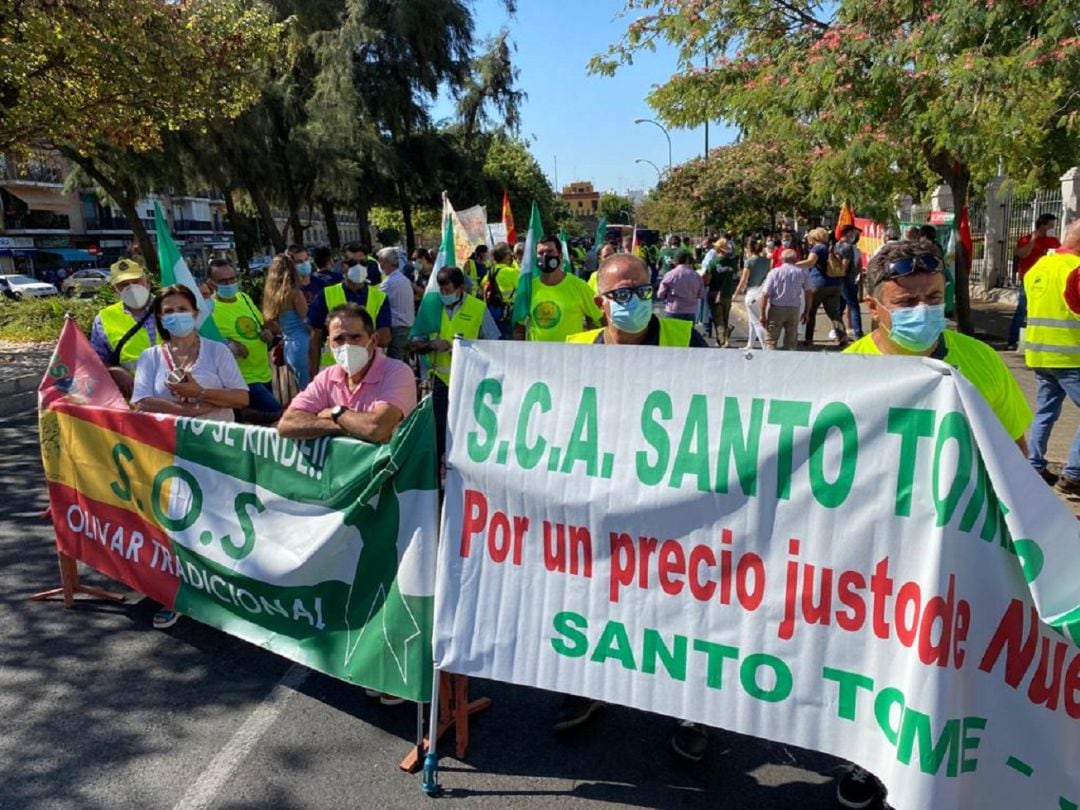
342	327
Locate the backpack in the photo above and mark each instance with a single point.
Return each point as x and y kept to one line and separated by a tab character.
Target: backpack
835	266
493	296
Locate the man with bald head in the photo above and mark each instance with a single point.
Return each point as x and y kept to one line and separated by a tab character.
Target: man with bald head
626	298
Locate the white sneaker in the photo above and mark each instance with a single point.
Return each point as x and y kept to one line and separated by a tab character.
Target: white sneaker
832	334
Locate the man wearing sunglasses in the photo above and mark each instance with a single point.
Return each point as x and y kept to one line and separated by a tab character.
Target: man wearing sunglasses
626	299
906	286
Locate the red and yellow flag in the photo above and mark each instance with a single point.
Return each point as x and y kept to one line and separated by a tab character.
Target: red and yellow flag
847	217
508	220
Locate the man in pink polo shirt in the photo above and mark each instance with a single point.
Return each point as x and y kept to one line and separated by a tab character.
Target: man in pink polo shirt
364	395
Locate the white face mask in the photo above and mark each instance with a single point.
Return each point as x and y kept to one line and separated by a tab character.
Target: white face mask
135	296
357	274
351	358
1051	231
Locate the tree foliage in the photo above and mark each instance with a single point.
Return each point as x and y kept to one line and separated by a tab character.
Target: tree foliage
617	208
79	72
886	94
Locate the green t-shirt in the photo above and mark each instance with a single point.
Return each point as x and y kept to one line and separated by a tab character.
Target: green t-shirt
561	310
240	320
667	259
984	369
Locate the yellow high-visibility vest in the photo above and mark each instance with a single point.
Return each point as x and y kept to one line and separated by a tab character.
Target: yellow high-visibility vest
673	332
334	295
116	322
1052	338
466	323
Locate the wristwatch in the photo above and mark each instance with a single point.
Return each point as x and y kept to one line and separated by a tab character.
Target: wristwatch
336	412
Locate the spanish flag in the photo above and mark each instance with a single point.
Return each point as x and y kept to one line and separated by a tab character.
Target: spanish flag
508	220
847	217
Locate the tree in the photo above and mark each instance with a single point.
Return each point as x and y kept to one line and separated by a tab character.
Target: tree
79	72
617	208
889	91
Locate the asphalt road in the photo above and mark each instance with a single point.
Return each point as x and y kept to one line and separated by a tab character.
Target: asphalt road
99	710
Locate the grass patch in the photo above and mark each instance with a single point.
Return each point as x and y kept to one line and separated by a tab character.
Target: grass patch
39	320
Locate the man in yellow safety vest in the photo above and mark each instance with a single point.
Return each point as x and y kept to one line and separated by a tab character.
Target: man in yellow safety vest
124	330
354	289
463	316
626	297
1052	350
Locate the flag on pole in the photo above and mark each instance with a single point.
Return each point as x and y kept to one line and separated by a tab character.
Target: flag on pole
567	265
429	316
174	270
529	269
633	244
508	220
601	234
847	217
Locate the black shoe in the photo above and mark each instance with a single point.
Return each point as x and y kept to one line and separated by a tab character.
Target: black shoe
859	788
575	711
1047	476
1067	486
690	741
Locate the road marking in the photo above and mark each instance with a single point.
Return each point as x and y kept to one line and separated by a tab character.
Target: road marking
221	768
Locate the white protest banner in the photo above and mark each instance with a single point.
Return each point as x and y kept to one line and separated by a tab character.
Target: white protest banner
496	233
840	552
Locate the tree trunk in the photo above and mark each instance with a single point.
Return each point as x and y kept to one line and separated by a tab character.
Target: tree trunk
266	214
297	228
241	235
125	197
333	236
406	215
961	189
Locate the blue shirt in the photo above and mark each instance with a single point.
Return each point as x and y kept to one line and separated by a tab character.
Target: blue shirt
818	276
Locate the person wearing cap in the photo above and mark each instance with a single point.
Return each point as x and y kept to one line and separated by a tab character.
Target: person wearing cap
849	289
906	289
124	330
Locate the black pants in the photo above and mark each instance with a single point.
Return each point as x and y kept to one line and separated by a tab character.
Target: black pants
440	401
832	299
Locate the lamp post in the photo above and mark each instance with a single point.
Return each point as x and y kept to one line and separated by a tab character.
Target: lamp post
659	174
662	129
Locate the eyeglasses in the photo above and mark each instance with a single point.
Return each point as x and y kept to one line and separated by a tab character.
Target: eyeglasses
623	294
907	266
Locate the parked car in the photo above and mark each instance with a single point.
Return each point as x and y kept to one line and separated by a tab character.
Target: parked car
84	281
25	287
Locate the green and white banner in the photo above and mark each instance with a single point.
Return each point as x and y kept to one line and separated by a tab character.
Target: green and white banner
844	553
322	551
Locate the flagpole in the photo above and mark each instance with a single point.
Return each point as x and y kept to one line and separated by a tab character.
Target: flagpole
430	784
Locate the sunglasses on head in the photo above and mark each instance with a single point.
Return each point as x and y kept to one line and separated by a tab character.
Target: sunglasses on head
907	266
623	294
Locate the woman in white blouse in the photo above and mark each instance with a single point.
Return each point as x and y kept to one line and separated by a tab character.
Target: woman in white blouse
186	375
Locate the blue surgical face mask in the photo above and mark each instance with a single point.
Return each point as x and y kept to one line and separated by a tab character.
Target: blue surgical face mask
179	324
449	299
227	290
631	317
917	328
304	268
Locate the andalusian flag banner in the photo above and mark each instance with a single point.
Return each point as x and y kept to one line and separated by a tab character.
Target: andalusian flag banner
529	268
429	316
174	270
322	551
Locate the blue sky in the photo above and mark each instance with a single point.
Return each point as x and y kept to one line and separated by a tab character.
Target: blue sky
586	122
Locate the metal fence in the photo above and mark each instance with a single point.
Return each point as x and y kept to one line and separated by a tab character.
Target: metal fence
1019	214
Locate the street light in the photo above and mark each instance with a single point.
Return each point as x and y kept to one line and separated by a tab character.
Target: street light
659	174
662	129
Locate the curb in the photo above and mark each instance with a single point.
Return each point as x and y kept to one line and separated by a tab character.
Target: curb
19	394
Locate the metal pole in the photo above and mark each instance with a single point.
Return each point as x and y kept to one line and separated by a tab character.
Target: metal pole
662	129
430	784
659	174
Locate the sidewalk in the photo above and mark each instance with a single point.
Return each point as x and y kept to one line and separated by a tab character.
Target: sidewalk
21	367
991	321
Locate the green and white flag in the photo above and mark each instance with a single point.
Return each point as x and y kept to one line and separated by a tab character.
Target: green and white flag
429	316
567	265
601	234
174	270
529	267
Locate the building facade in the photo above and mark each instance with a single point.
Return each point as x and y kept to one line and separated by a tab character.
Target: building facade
582	198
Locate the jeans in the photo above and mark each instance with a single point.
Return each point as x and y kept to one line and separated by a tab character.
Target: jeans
262	401
1054	384
1019	318
296	357
399	343
851	299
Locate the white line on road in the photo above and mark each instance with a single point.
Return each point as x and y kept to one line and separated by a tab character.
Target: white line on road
205	789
